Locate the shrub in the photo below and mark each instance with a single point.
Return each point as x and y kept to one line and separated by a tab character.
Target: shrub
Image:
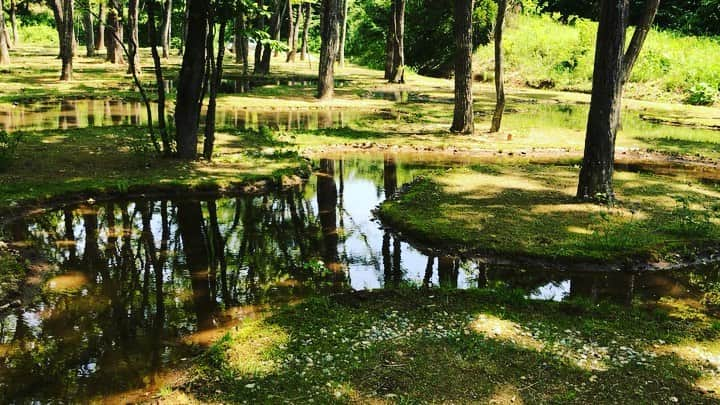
701	94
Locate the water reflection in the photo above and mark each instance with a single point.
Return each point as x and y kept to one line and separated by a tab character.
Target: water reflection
72	114
134	279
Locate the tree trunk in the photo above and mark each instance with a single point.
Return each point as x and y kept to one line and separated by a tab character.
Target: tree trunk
166	29
159	80
100	37
192	74
306	29
291	34
638	38
67	41
463	116
328	49
114	34
89	33
133	38
390	43
13	23
242	46
275	27
209	144
343	31
598	161
296	31
499	83
398	69
257	65
4	53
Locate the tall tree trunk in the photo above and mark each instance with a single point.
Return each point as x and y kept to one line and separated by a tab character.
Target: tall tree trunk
89	33
638	38
13	23
133	38
275	27
296	31
306	29
291	34
398	69
4	53
190	88
159	80
100	37
114	33
463	116
209	144
328	49
390	43
67	40
166	29
260	25
343	31
242	46
598	161
499	82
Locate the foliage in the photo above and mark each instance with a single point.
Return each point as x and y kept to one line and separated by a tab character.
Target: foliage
428	33
8	148
701	94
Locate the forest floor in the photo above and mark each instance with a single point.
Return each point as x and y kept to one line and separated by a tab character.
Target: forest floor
413	346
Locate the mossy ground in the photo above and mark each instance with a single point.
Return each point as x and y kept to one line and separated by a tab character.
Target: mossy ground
482	346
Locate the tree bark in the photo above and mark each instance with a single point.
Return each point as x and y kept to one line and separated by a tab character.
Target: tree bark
4	52
306	29
343	31
275	27
390	43
89	33
638	38
159	80
257	65
598	161
499	82
190	88
398	69
100	37
13	23
328	49
166	29
291	34
133	38
114	33
209	144
63	11
242	47
296	31
463	115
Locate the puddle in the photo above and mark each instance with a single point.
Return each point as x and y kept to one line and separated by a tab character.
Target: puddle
245	85
137	282
72	114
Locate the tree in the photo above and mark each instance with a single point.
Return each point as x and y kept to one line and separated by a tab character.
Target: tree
499	84
89	31
260	24
100	37
219	15
328	49
292	48
114	33
306	29
463	115
166	29
343	30
13	23
133	38
612	69
192	74
4	53
63	11
395	68
159	79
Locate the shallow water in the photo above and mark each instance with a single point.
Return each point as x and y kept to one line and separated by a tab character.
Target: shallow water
134	285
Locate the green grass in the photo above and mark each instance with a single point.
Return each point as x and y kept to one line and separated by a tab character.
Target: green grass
541	50
415	346
529	211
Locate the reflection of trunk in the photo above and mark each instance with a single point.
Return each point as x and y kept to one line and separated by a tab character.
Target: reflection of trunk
328	49
190	226
91	254
306	29
327	212
192	74
448	272
387	259
463	115
70	237
217	247
428	271
390	176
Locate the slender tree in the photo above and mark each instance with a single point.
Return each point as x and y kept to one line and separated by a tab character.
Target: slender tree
133	37
159	79
4	53
215	78
306	30
260	25
463	115
192	75
613	66
63	10
13	23
499	82
343	30
166	28
100	37
390	41
89	32
114	33
328	48
291	34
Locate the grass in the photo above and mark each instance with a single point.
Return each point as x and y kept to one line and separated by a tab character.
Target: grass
530	210
543	52
485	346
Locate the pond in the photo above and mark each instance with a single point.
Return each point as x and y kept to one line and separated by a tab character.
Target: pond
135	287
